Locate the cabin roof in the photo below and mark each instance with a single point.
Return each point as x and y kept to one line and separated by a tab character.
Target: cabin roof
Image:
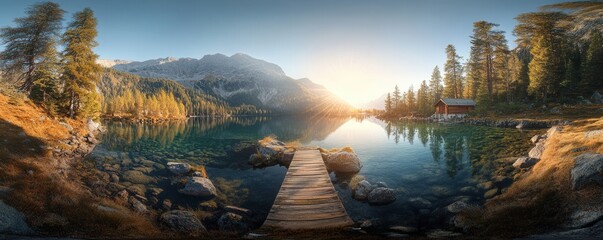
456	102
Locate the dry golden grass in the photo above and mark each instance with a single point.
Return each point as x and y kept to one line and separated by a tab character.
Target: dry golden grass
49	190
543	199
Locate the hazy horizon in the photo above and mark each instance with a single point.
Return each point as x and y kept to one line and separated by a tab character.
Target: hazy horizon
359	50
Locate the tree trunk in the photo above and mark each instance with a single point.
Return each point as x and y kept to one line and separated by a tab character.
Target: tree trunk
72	104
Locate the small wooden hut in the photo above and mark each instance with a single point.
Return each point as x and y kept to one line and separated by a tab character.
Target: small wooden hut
453	107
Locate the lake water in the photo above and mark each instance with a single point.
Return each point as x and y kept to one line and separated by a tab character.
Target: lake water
440	163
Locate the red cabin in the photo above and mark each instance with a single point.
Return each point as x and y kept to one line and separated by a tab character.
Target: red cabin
454	106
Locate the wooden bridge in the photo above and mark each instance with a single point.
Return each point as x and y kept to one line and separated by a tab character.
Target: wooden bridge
307	198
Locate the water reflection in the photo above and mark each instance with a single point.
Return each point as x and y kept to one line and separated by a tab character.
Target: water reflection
431	161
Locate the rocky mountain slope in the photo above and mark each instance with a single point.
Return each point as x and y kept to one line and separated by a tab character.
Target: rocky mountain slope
241	79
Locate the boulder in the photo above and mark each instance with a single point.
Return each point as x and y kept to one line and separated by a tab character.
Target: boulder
273	148
200	187
287	157
138	206
232	222
419	202
179	168
553	130
362	190
12	221
538	138
344	162
182	221
583	218
457	207
382	195
588	168
525	162
537	151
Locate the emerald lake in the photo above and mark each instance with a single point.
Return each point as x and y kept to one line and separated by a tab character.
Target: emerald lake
439	163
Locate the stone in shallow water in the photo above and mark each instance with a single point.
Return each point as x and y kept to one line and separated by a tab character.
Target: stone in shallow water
137	177
200	187
382	195
491	193
419	202
179	168
469	189
232	222
343	162
404	229
525	162
457	207
362	190
182	221
438	233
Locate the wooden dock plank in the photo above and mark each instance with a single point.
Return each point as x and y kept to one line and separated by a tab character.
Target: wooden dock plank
307	198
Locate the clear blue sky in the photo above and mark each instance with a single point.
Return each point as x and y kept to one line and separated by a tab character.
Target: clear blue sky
358	49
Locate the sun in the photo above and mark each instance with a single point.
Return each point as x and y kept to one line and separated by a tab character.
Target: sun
352	76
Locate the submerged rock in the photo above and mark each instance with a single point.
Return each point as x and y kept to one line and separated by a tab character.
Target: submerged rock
343	162
419	202
232	222
137	177
525	162
491	193
439	233
588	168
179	168
404	229
362	190
200	187
182	221
457	207
382	195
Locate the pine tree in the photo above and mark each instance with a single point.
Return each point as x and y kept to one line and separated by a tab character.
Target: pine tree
484	42
45	87
388	104
546	38
592	69
396	99
29	45
453	72
410	99
81	73
435	85
423	103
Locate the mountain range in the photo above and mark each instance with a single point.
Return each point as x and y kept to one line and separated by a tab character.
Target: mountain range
239	80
